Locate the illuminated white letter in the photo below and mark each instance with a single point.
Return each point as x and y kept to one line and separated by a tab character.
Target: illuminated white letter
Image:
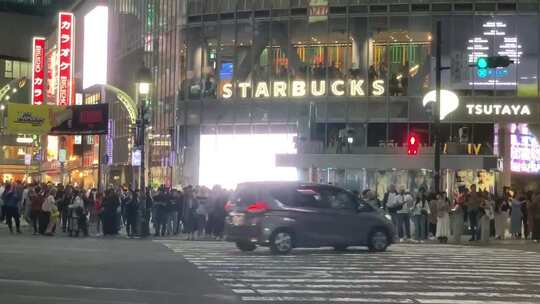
322	88
478	109
337	91
280	89
378	87
506	110
227	90
470	108
298	88
356	87
515	109
525	110
497	109
244	86
488	109
262	90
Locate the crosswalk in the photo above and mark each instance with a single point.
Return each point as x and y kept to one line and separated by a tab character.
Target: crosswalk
425	273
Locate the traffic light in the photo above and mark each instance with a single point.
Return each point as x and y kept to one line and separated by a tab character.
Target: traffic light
413	144
493	62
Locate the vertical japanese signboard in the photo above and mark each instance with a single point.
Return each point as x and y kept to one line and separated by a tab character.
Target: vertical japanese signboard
66	24
38	72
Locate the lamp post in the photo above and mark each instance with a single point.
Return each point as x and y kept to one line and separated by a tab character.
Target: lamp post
144	80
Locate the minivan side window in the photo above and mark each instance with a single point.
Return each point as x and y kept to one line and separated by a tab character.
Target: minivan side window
365	207
310	197
342	200
245	197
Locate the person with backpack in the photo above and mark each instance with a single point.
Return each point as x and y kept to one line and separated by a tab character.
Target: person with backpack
78	213
50	210
391	204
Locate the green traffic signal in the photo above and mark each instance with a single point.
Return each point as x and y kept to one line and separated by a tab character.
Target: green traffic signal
482	63
492	62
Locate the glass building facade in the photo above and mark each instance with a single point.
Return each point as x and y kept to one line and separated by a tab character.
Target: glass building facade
268	67
145	33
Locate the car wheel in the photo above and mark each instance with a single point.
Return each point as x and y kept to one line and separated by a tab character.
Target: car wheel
378	240
246	246
281	242
340	248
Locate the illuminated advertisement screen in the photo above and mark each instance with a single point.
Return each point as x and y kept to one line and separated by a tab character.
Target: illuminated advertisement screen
52	148
226	71
95	46
230	159
525	155
496	38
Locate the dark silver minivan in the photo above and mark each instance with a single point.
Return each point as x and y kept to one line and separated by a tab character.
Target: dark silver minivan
285	215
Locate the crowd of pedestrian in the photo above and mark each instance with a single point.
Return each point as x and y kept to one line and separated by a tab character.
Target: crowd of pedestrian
50	209
200	212
421	216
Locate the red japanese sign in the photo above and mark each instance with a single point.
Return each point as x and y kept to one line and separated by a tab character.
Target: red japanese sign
66	25
38	73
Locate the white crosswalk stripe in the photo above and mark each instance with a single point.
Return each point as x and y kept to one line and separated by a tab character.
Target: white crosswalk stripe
426	274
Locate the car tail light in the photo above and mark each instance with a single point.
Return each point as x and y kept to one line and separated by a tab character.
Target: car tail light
229	206
257	207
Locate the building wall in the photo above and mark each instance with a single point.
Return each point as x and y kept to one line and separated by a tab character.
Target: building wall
17	31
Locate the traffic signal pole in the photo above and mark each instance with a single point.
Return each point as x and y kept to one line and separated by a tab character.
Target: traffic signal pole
437	112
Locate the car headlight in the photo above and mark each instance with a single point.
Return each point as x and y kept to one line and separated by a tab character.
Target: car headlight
386	215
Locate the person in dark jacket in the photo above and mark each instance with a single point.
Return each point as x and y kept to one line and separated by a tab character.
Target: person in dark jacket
131	212
189	216
110	206
64	197
178	200
11	200
36	201
160	205
219	213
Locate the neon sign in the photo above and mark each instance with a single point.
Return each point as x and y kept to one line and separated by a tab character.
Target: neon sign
299	88
66	25
38	73
450	103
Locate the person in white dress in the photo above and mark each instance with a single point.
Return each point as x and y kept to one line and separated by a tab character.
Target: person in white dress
443	217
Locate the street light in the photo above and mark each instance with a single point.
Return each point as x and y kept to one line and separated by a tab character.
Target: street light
144	80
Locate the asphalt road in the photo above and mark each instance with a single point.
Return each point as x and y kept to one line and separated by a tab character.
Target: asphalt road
37	269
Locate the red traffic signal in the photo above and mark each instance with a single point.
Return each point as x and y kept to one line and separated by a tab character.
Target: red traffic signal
413	144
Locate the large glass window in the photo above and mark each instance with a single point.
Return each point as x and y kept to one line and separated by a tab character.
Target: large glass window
379	37
527	47
209	61
244	59
226	58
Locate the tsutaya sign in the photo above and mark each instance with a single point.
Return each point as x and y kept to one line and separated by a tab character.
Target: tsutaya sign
299	88
450	102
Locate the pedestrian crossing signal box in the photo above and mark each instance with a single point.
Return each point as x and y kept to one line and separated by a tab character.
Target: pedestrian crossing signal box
413	144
